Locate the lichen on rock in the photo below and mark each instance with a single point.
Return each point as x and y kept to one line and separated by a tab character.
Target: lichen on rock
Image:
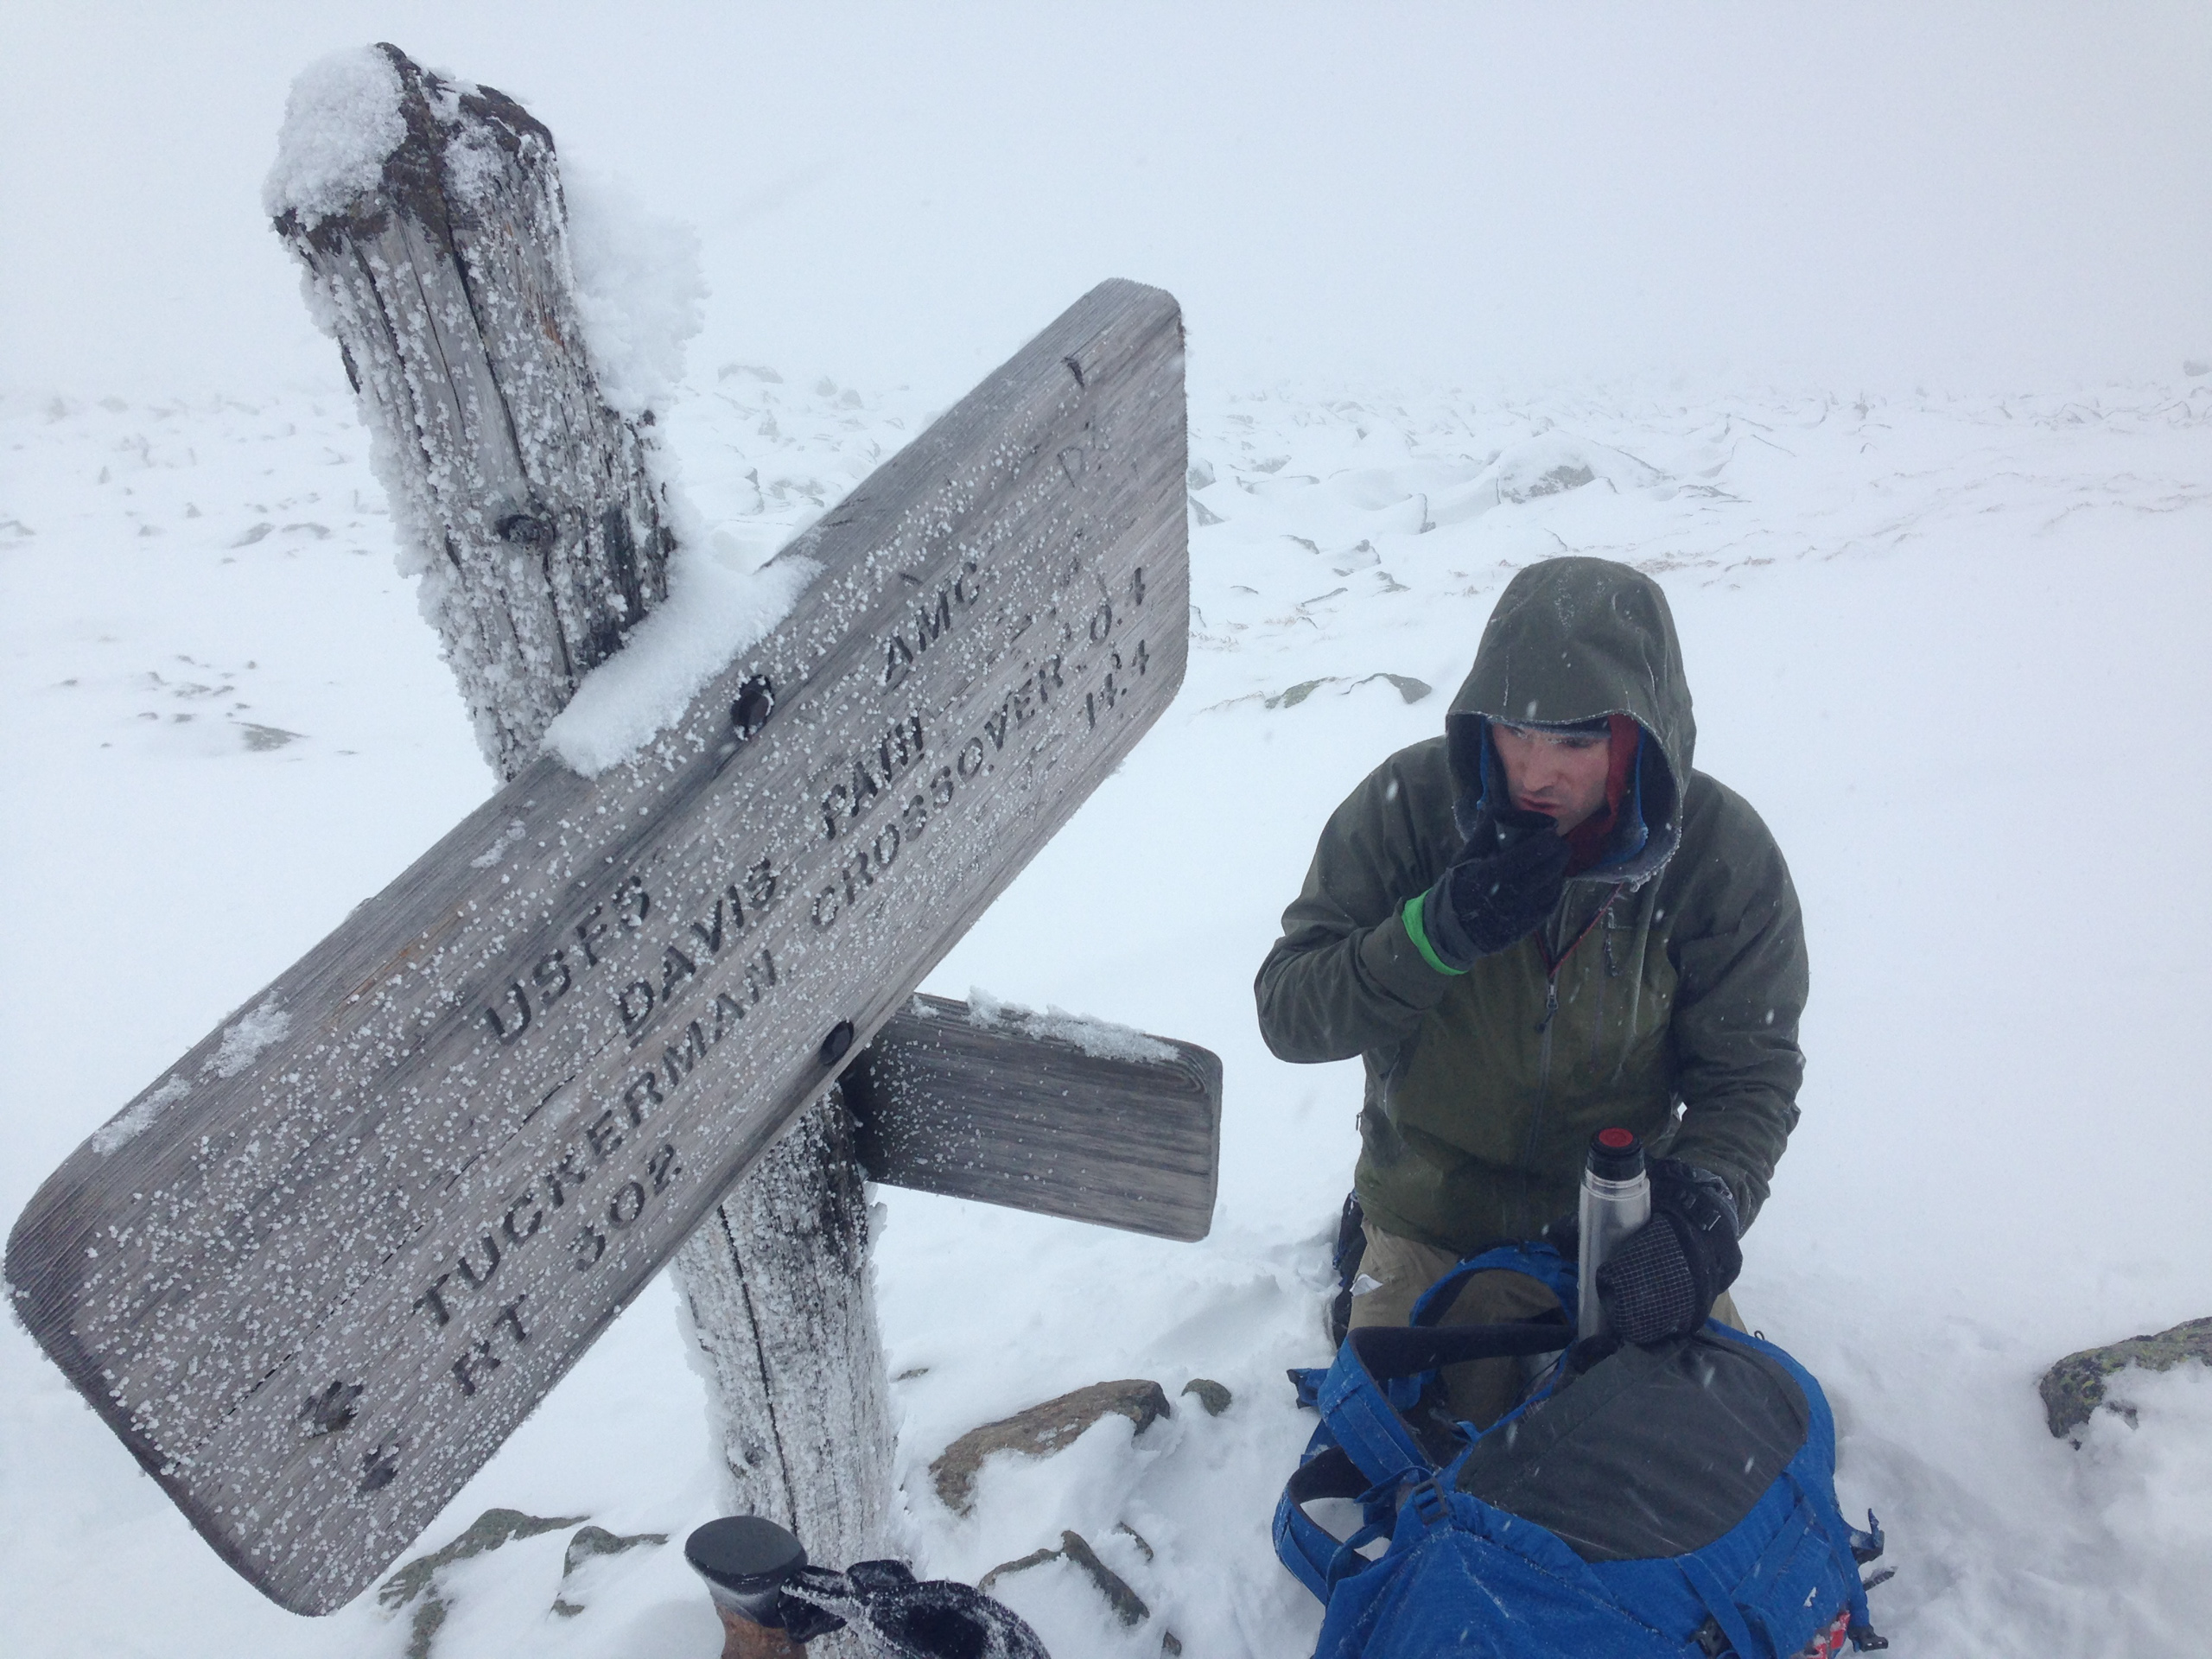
2073	1388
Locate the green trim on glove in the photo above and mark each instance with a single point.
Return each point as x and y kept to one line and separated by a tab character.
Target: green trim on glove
1411	916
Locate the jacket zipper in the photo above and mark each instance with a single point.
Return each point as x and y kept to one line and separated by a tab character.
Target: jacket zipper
1552	965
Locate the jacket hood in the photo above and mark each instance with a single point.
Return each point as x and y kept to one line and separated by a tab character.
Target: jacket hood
1572	640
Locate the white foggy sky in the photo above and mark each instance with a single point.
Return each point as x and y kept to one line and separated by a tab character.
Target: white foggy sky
1975	196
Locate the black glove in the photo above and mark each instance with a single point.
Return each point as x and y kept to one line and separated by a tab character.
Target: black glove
933	1619
1660	1281
1505	881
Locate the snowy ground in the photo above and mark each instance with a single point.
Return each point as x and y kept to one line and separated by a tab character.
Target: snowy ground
1953	651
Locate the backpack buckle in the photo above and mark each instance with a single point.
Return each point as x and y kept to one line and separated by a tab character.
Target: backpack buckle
1868	1545
1428	1500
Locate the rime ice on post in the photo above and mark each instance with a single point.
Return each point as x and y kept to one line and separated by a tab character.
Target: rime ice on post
430	218
429	215
780	1295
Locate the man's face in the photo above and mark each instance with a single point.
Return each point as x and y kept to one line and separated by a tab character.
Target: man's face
1561	774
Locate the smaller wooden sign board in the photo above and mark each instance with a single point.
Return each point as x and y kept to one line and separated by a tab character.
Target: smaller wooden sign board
1045	1113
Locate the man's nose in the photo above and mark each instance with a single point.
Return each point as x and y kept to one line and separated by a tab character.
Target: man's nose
1544	769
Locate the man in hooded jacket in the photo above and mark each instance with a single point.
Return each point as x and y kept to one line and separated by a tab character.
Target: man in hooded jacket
1540	925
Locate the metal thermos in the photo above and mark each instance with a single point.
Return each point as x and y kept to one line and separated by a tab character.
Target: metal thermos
1616	1201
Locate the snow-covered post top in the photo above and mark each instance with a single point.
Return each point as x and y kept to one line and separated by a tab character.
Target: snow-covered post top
429	216
341	123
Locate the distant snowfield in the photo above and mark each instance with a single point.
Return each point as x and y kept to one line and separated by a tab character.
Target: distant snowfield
1953	651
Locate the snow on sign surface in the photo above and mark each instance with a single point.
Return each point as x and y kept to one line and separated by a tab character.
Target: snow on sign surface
244	1040
136	1118
712	612
638	295
452	1141
341	122
1100	1039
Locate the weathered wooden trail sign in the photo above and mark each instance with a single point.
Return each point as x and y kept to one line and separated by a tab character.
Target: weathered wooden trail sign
1058	1118
319	1272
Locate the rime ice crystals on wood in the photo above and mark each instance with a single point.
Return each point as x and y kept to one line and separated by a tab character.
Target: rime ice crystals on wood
776	1278
508	1090
523	500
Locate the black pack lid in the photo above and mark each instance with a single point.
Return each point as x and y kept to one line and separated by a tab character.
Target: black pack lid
745	1554
1615	1155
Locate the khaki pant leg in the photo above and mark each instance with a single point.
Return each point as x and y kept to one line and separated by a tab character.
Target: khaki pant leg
1723	1309
1401	1269
1481	1390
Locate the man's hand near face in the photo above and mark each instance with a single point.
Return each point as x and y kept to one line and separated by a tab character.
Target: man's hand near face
1503	884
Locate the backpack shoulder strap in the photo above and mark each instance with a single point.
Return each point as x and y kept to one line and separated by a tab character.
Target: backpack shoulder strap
1537	1259
1316	1556
1356	1412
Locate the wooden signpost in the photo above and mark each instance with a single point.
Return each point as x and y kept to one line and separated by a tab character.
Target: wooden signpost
316	1273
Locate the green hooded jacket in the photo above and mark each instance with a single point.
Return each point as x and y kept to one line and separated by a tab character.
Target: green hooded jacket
1662	993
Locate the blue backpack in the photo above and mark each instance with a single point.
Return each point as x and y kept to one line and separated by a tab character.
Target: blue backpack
1670	1502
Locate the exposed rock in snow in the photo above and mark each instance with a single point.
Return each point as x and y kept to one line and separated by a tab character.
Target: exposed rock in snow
1550	464
1041	1430
1411	690
1214	1396
590	1546
2074	1388
1128	1606
418	1580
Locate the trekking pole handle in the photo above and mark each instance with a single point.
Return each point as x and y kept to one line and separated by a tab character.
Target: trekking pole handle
743	1639
746	1561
